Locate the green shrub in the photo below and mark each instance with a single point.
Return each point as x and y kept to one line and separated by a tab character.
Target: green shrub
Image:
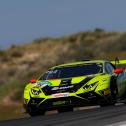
16	53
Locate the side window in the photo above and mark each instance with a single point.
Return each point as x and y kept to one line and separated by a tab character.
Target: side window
109	68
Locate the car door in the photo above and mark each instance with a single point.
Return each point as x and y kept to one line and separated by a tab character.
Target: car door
120	78
121	81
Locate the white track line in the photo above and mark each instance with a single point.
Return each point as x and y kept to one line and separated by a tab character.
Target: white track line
118	124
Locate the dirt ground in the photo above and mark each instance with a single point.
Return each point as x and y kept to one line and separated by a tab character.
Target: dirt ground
8	112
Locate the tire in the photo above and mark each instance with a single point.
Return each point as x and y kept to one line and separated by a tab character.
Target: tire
33	112
112	99
114	90
65	109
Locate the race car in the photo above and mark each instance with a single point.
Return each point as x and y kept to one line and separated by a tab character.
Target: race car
63	87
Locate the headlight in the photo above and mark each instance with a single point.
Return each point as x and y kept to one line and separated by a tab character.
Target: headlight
35	92
89	86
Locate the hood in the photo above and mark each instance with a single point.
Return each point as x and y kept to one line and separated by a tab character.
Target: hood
49	87
64	82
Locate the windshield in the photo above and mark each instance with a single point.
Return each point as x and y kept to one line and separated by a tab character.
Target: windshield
73	71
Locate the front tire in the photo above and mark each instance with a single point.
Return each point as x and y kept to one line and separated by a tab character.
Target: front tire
33	112
112	99
113	90
64	109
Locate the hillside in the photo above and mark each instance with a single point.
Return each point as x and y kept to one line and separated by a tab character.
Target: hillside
20	63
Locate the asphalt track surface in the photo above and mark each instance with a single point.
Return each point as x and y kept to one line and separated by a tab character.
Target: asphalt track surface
106	116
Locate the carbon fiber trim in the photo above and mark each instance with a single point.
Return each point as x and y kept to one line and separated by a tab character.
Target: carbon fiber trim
69	101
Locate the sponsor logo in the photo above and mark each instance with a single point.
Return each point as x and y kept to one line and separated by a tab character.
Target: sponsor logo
43	84
61	88
58	95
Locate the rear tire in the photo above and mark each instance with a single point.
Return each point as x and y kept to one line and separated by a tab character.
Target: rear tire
65	109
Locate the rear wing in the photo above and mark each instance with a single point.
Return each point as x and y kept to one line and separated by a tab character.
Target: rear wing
119	63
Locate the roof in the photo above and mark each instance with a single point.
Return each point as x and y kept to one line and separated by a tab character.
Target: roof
81	62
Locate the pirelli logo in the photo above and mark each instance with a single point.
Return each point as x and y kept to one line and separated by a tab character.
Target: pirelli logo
58	95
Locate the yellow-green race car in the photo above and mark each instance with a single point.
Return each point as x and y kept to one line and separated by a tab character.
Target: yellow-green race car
76	84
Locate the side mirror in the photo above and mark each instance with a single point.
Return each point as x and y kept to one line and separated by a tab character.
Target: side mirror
118	70
33	81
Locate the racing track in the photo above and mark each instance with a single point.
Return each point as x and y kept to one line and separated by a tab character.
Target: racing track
89	117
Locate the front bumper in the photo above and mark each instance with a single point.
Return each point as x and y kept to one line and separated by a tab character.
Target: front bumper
83	99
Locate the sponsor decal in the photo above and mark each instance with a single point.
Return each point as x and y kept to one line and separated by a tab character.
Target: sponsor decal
65	82
58	95
61	88
61	103
106	91
43	84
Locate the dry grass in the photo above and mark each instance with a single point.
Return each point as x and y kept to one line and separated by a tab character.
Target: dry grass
8	112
